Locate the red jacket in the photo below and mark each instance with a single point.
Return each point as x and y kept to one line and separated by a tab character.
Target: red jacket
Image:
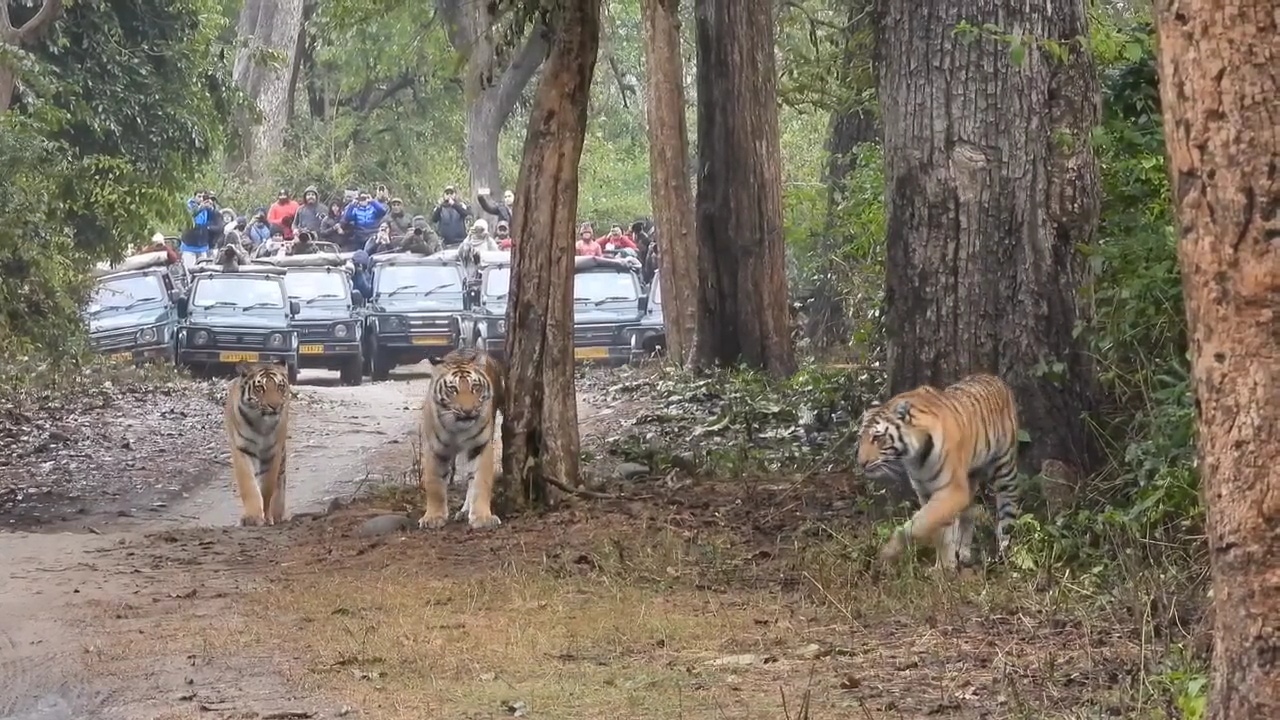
586	246
506	243
619	242
282	215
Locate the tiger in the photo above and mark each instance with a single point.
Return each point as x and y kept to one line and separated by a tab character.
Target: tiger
946	443
257	422
458	431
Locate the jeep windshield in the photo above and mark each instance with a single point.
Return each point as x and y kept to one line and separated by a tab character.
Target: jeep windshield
309	286
237	291
497	283
598	288
409	280
126	293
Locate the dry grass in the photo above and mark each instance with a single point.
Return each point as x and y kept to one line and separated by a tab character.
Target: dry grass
623	610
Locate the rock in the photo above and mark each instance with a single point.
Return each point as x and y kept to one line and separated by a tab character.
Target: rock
383	525
632	471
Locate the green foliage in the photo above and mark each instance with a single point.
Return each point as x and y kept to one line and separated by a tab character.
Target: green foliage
121	103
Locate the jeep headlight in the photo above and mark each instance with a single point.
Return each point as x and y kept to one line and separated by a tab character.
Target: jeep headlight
201	337
147	335
275	340
393	323
341	330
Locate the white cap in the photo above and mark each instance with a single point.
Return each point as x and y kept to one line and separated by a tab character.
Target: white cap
480	225
157	238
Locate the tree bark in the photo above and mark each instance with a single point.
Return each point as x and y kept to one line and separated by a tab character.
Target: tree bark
669	185
1219	84
265	69
494	80
742	304
17	38
991	186
540	425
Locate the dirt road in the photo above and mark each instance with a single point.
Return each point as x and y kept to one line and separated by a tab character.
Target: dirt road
50	668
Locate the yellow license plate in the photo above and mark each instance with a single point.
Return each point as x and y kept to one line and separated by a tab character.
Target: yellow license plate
121	357
430	341
230	357
590	353
311	349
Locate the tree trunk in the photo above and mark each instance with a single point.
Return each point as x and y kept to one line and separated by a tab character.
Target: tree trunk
15	38
991	186
494	79
742	304
264	70
540	426
669	186
1219	77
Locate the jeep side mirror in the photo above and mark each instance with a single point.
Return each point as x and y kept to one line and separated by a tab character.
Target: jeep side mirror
357	298
294	307
643	303
183	306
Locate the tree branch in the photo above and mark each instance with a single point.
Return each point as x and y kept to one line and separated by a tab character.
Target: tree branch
49	11
520	71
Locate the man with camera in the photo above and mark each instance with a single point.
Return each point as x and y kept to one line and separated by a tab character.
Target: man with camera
205	228
450	218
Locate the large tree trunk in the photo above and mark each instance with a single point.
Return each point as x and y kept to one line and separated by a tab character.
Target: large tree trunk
669	185
991	188
1219	79
265	70
494	79
742	304
13	38
540	426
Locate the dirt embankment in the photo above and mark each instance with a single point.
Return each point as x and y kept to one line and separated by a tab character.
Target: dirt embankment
87	482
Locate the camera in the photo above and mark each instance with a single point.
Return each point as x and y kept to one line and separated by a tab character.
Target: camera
417	232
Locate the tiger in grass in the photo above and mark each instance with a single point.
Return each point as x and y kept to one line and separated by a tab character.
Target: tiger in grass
257	422
947	443
459	422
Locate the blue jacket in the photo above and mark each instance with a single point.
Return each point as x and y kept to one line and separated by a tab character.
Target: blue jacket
258	233
365	219
203	216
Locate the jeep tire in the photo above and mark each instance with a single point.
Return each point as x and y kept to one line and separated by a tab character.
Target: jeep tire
352	372
379	366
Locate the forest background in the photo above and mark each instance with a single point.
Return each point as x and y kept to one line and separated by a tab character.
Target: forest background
121	109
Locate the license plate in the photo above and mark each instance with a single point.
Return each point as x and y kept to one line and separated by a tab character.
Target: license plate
590	353
121	357
230	357
311	349
430	341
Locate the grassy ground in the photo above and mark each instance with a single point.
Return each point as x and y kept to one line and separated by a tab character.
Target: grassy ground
739	600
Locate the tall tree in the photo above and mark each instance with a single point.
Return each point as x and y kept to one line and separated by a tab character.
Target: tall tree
540	424
668	174
264	69
991	188
1219	79
14	38
495	75
742	303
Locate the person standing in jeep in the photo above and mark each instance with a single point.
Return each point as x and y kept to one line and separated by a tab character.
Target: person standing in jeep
501	209
310	214
282	213
450	218
400	222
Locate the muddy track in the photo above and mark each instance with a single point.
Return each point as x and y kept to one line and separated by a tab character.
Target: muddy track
47	576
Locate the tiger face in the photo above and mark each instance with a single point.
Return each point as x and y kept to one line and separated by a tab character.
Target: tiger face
264	388
464	393
886	439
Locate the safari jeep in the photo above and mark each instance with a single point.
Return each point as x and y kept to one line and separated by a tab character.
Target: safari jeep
414	311
330	323
239	316
649	337
133	314
606	303
485	324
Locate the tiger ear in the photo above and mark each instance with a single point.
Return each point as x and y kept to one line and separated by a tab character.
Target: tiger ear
902	409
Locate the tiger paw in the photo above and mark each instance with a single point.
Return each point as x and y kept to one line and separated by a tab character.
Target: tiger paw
250	520
484	522
432	522
893	549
